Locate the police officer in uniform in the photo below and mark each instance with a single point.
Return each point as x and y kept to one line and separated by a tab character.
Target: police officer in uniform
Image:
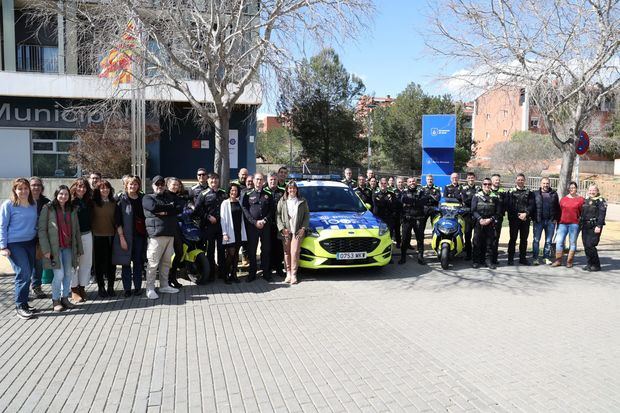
282	175
363	191
468	191
277	249
592	222
207	208
485	210
385	205
453	189
413	216
258	209
400	187
432	193
242	178
521	207
348	179
496	188
202	185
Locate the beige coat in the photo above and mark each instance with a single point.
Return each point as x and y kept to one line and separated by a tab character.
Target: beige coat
49	241
282	218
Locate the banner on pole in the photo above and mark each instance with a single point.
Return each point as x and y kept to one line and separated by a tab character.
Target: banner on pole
233	148
438	142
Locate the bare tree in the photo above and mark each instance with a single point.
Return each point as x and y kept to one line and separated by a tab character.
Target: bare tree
563	52
210	51
525	152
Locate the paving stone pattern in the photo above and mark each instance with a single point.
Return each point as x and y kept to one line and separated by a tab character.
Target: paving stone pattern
407	338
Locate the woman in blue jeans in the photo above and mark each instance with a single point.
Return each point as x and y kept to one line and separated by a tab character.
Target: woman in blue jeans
61	245
18	229
570	206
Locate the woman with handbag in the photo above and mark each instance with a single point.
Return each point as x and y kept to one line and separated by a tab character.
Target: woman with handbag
568	225
61	244
233	231
130	240
293	219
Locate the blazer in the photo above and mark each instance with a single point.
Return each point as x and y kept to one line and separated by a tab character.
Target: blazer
282	217
227	223
50	242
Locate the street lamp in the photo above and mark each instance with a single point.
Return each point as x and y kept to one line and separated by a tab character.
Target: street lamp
370	106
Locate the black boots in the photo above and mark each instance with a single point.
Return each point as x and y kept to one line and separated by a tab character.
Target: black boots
172	279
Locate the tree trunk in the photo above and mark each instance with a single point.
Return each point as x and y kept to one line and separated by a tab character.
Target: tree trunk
566	171
221	161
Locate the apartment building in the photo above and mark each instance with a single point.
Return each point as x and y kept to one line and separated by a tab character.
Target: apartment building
44	72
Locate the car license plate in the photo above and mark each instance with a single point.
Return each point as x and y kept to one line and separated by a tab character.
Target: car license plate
351	255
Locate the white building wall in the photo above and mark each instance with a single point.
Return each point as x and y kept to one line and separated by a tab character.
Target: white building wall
15	154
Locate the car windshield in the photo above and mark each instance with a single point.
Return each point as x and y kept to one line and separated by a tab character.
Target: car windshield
331	198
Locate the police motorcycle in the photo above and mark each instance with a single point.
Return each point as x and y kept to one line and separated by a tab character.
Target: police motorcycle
194	264
448	228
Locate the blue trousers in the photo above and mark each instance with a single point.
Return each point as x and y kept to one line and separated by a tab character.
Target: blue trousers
549	227
61	284
22	261
138	246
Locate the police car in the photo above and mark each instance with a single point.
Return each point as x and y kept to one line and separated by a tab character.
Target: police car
343	233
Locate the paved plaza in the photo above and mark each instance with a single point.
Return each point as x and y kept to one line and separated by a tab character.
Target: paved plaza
405	338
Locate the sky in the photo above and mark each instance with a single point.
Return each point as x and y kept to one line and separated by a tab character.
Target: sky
392	53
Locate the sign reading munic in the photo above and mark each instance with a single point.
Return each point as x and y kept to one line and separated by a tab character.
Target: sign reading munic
43	113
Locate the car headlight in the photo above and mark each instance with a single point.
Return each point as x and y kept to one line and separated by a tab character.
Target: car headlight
383	228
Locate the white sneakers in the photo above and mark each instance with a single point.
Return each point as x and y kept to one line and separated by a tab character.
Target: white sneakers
151	295
169	290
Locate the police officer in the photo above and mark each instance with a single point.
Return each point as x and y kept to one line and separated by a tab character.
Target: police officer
385	204
348	179
243	250
373	184
432	193
370	174
521	207
497	189
485	208
413	216
468	191
592	221
242	178
453	189
391	183
207	208
363	191
282	176
258	207
202	185
277	249
400	187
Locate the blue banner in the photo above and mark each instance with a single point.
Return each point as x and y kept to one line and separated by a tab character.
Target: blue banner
438	131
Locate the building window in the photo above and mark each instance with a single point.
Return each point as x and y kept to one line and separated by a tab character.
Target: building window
50	153
505	113
488	116
505	132
534	123
486	135
521	97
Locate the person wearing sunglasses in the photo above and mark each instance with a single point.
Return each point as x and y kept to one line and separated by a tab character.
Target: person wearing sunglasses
485	210
202	185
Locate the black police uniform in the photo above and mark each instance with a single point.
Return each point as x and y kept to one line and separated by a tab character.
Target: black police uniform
484	206
519	201
467	194
277	249
196	190
502	194
432	195
258	206
351	183
238	182
385	205
397	215
592	216
365	194
413	216
453	191
208	203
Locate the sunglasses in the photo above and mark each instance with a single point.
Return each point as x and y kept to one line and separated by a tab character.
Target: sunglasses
487	184
200	174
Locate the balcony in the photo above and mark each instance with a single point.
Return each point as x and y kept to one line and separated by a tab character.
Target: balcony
35	58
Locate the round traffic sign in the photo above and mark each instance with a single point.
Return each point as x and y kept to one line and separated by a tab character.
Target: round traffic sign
583	144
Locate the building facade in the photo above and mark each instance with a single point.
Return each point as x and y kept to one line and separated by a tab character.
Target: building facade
42	73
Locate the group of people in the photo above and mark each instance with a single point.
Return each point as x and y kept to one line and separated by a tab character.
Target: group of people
406	206
86	228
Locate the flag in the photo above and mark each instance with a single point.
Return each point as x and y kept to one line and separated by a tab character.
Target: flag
116	64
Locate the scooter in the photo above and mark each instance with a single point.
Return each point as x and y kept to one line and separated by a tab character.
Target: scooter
448	226
194	265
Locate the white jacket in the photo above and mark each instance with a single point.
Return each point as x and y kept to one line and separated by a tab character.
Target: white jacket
227	223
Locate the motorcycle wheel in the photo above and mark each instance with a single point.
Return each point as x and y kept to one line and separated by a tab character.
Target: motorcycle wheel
203	267
444	256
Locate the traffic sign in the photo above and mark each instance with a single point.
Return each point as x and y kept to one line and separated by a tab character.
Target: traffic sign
583	144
